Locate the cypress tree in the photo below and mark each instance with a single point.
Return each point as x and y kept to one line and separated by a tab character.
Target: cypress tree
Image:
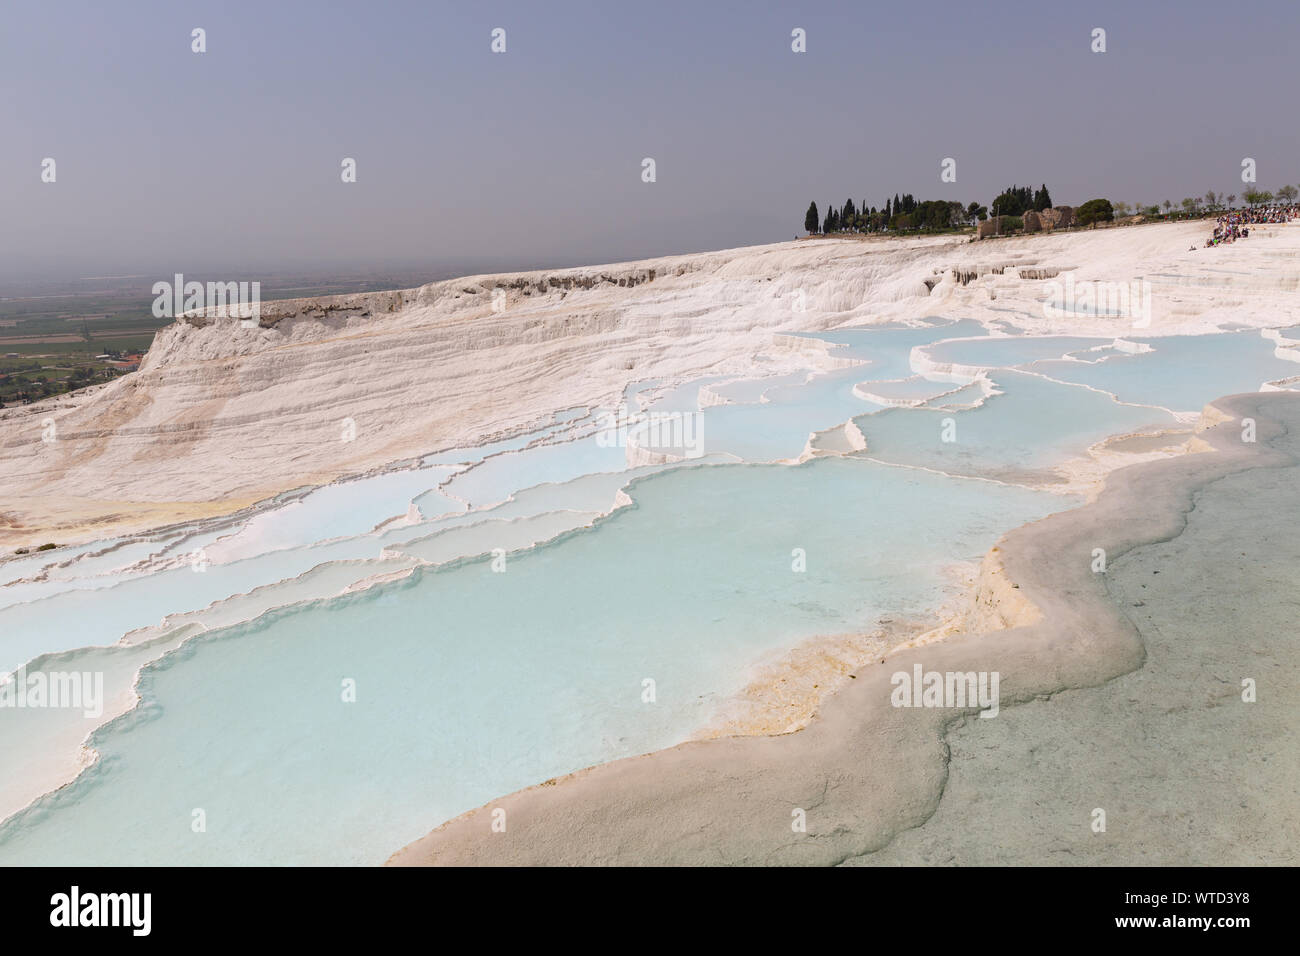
810	220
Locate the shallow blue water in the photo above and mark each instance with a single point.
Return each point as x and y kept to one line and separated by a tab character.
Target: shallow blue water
1011	350
1034	424
1183	372
473	682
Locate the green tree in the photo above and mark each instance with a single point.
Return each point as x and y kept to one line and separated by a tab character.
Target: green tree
810	219
1013	201
1093	211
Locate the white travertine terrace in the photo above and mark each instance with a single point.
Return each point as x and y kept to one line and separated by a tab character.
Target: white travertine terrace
220	416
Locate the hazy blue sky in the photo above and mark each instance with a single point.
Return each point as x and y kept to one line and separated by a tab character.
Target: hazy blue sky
169	160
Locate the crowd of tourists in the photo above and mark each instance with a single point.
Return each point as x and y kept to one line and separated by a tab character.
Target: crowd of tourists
1236	225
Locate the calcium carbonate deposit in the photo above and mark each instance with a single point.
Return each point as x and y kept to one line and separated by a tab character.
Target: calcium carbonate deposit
363	567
